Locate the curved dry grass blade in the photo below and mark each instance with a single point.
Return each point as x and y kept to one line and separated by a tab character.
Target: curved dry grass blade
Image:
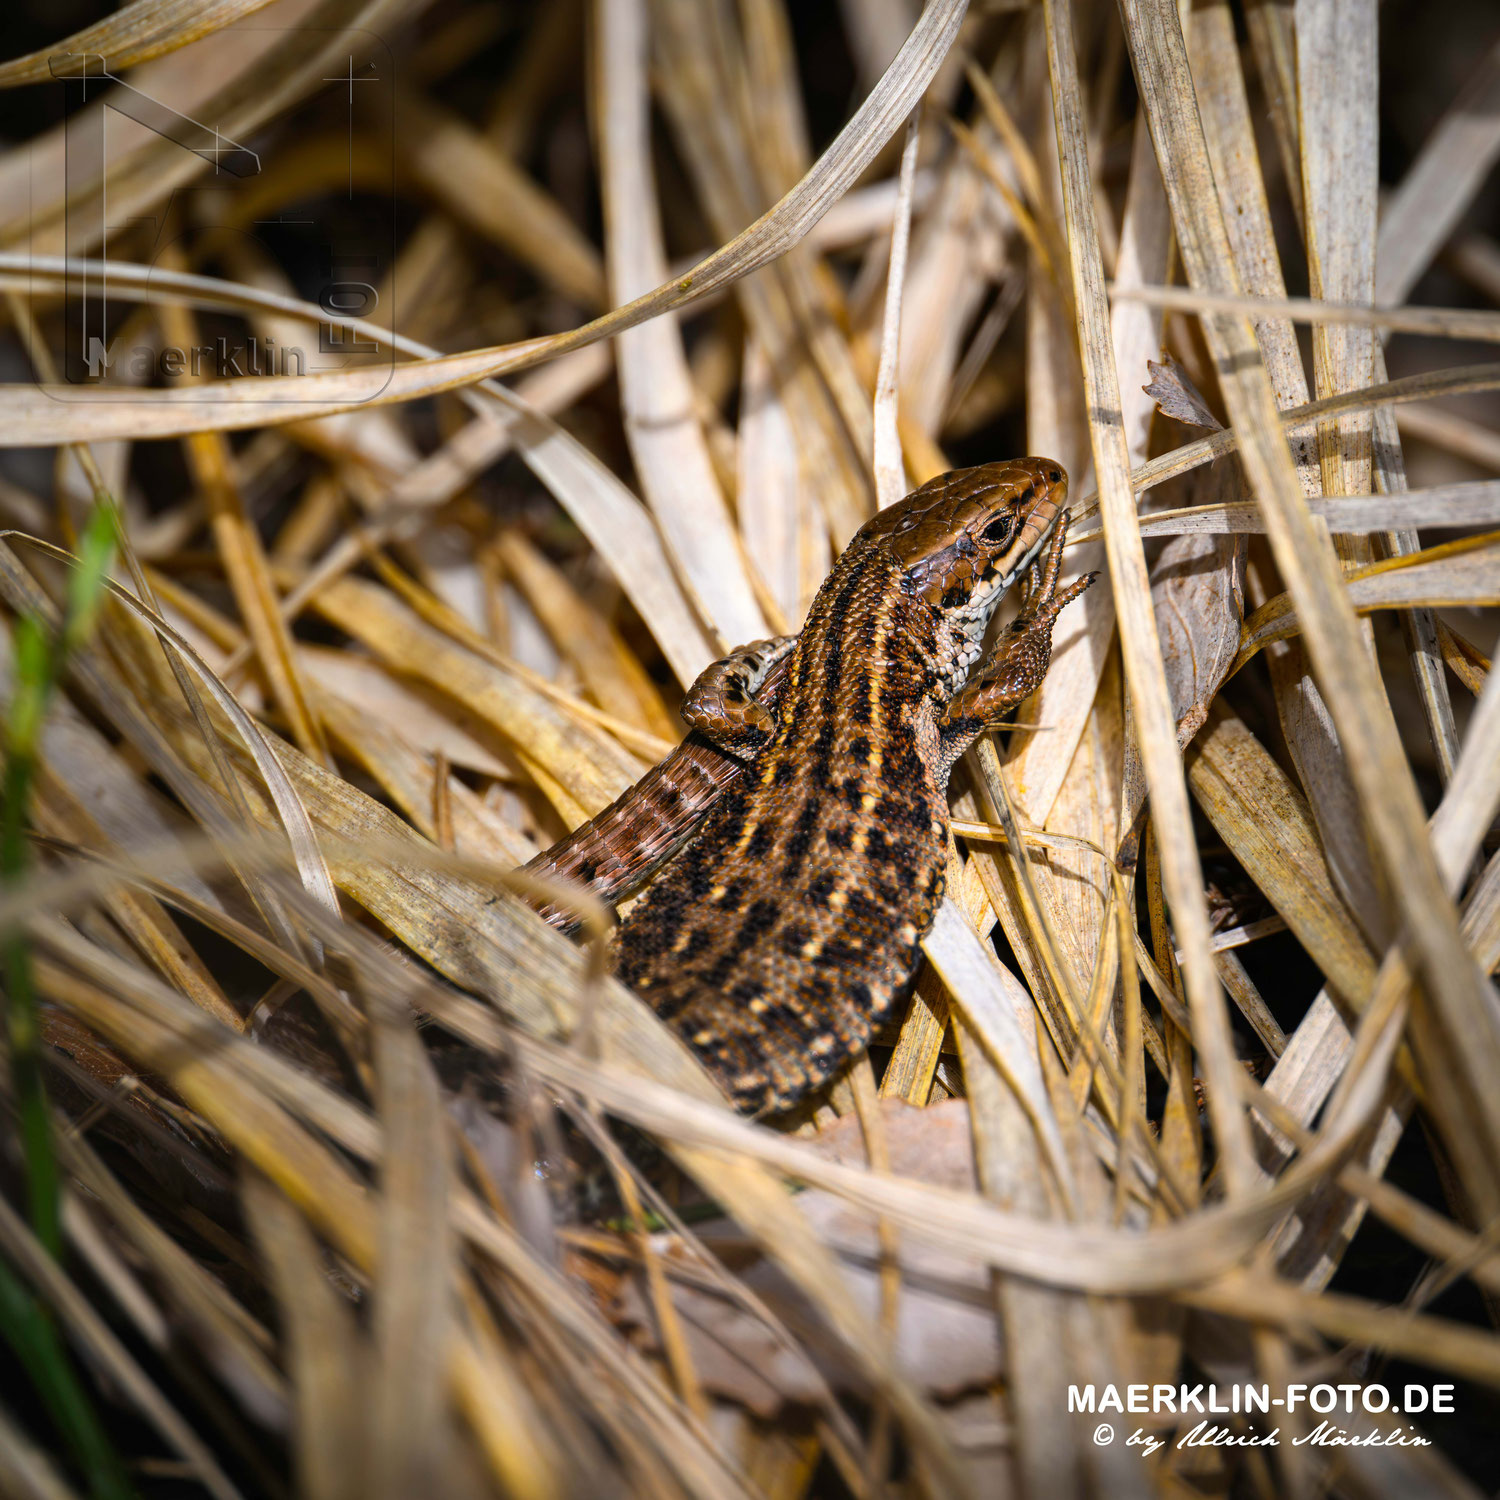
1461	574
295	822
602	506
656	392
1408	388
129	813
325	1350
200	789
1080	1257
213	292
134	34
416	1265
261	400
1433	1342
1476	503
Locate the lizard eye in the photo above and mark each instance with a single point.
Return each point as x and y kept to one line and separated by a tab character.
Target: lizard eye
997	531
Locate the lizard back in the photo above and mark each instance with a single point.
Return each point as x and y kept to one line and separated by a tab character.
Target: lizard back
789	928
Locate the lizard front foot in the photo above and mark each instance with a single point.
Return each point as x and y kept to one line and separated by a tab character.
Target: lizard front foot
1019	661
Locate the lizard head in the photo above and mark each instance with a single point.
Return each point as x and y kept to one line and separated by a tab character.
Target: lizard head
963	538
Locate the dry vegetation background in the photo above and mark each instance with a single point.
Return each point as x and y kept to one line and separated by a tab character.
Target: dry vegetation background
1202	1078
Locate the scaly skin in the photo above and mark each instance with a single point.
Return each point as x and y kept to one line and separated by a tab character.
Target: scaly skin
621	847
779	939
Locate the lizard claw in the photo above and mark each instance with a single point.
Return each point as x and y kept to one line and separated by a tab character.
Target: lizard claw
1073	590
1051	604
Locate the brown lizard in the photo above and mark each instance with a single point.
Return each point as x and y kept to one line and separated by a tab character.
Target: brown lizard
787	930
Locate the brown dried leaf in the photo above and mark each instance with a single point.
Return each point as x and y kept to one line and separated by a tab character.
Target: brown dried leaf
1175	394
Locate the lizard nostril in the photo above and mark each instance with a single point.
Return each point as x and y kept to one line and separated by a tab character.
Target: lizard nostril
1054	476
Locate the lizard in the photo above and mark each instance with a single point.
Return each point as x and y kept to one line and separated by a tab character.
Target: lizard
807	812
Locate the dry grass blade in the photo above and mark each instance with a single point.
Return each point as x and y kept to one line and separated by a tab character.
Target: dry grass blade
417	1267
1473	504
1156	723
1447	322
25	1468
326	1350
481	186
299	830
1461	573
136	34
1409	388
666	442
890	471
244	558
